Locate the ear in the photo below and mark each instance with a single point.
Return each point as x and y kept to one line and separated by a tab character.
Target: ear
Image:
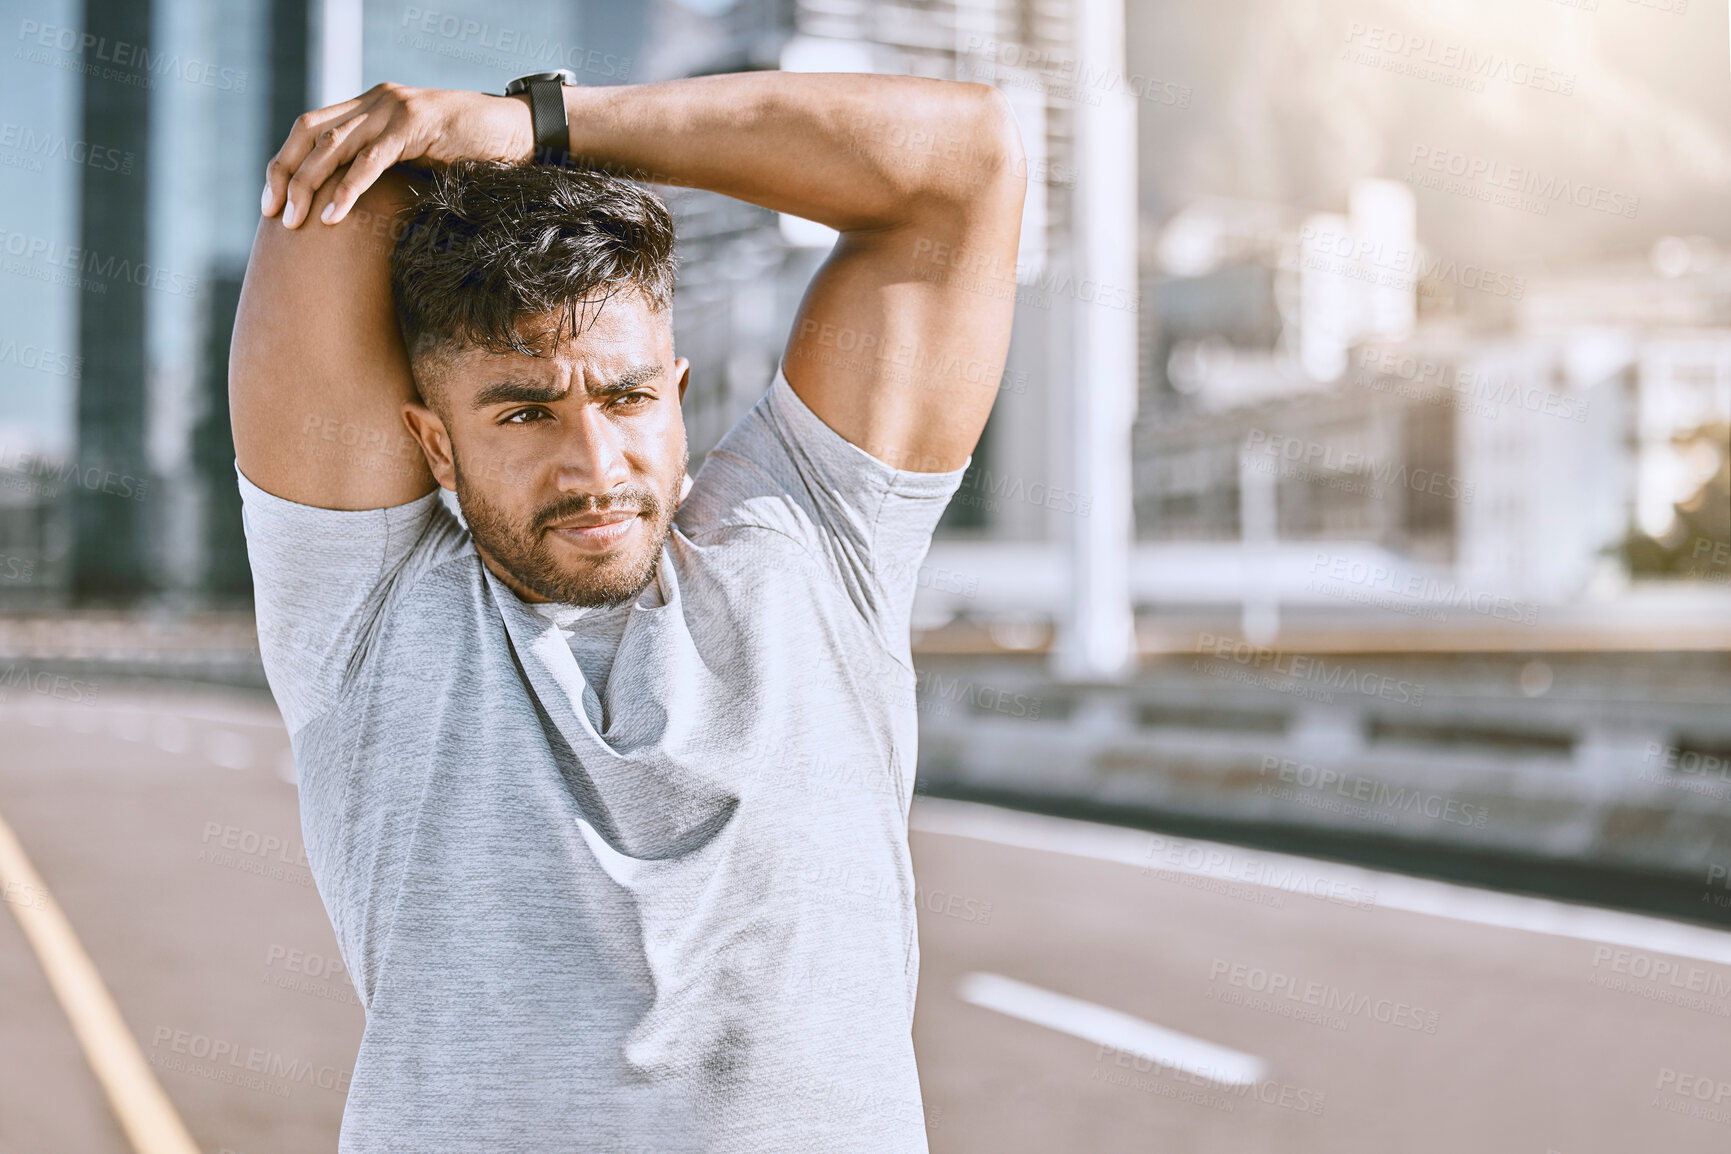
682	374
429	430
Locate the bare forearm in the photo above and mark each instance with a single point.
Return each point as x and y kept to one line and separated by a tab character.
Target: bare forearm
851	151
922	177
856	152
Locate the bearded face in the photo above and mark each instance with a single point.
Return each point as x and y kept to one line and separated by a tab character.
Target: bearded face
581	549
568	467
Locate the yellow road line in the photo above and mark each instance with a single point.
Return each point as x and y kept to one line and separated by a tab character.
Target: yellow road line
144	1111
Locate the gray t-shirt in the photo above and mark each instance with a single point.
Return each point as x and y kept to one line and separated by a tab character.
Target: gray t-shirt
685	923
594	635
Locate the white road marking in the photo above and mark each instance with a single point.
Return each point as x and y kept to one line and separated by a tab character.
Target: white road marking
261	714
1273	870
138	1101
1109	1027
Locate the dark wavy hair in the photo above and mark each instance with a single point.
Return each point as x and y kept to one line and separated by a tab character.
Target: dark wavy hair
483	247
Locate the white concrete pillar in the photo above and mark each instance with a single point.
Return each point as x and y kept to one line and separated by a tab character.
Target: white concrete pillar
1096	640
339	58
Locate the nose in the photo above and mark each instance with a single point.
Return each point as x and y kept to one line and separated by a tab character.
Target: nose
592	454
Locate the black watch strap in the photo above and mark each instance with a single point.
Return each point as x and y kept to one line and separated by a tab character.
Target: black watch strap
546	91
552	130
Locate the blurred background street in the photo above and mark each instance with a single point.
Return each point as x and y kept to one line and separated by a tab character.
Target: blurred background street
1323	667
1445	1018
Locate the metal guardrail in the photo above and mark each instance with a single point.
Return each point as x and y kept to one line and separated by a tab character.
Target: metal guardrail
1588	762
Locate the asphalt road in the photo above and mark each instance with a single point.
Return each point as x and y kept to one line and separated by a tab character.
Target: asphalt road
162	824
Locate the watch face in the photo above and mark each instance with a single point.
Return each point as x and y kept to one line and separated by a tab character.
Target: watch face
521	84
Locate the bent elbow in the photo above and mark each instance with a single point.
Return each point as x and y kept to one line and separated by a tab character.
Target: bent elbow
997	160
1001	136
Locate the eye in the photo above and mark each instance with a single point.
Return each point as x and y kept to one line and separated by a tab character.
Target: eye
634	400
523	417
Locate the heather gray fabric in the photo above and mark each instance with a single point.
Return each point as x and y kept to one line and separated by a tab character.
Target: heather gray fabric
593	644
688	928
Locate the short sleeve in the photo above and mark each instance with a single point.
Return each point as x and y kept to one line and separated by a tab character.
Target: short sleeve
322	579
870	524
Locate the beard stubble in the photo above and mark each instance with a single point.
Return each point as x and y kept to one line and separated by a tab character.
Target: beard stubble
524	551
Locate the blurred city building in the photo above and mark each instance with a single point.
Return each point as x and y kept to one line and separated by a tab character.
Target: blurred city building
146	386
1574	438
1552	454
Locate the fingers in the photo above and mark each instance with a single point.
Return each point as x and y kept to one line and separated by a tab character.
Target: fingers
370	162
336	144
385	125
301	140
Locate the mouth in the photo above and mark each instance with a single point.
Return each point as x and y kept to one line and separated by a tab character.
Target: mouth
596	531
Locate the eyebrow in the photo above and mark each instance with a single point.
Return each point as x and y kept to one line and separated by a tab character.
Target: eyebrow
536	392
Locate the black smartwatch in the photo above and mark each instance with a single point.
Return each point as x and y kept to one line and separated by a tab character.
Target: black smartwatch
547	112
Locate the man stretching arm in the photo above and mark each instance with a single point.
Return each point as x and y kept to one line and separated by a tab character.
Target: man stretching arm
604	781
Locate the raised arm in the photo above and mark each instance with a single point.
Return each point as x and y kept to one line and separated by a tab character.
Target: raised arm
317	370
900	341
